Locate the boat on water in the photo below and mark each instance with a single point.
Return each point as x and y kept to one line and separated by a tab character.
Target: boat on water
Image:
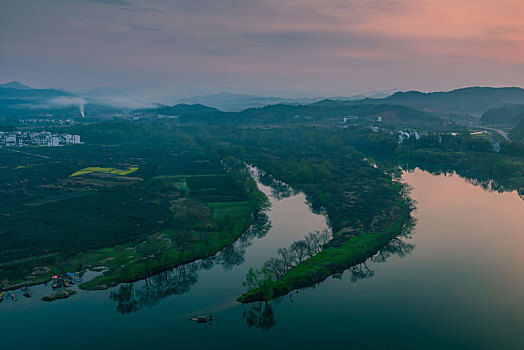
202	319
13	296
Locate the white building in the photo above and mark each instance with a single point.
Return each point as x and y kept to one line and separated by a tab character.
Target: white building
495	145
54	141
348	118
10	141
67	138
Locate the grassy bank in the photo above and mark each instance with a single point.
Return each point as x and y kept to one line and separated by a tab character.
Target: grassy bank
332	260
160	252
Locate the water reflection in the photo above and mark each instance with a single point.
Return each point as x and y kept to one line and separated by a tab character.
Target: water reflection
279	189
132	297
398	246
261	316
483	181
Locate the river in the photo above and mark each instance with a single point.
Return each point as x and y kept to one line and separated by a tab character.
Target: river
455	281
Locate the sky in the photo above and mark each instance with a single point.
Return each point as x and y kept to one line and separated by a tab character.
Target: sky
327	47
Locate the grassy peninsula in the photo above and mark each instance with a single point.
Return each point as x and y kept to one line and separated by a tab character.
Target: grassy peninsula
364	204
335	258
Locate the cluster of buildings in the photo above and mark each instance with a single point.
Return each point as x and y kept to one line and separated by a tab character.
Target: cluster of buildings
405	135
31	138
46	121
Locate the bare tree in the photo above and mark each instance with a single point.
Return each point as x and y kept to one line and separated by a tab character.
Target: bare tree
276	267
300	250
324	237
288	257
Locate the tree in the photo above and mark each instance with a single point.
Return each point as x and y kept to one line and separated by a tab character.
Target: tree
182	240
288	257
277	267
204	237
300	250
260	280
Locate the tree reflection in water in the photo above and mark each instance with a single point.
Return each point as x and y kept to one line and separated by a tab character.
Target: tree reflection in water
279	189
132	297
482	180
397	246
261	316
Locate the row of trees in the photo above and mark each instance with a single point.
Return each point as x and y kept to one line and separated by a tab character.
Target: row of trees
262	280
298	252
241	175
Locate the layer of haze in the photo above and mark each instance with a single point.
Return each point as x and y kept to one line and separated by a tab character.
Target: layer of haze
330	47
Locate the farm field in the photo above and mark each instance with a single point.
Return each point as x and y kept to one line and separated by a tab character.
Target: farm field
92	205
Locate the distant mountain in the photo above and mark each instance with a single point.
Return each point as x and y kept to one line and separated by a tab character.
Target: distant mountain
136	96
231	102
389	112
509	115
517	134
14	85
326	110
32	95
471	100
179	110
27	102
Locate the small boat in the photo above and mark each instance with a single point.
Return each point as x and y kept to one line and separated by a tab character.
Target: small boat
13	296
1	296
202	319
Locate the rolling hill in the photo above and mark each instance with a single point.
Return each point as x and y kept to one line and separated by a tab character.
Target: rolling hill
509	115
517	134
471	100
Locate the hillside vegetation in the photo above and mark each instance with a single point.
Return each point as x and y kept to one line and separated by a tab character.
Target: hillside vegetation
509	115
472	100
517	134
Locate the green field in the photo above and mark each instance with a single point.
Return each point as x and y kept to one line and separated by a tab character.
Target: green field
125	201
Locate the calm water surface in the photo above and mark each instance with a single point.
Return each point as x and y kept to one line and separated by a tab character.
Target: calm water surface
458	282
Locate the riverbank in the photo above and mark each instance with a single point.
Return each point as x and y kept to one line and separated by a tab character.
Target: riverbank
331	260
167	258
156	253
